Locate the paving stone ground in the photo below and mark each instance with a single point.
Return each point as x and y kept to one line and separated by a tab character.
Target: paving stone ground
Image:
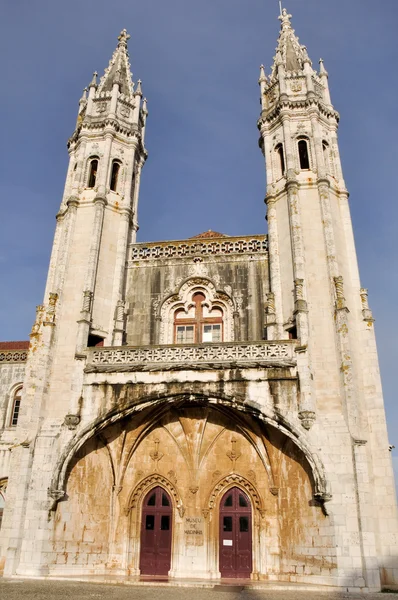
20	589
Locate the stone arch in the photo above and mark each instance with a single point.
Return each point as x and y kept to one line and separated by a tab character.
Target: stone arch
183	298
57	489
149	482
235	480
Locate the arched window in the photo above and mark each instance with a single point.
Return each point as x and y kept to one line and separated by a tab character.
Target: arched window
16	406
201	324
92	177
281	155
115	175
325	148
303	154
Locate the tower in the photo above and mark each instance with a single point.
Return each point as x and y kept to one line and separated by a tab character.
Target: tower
316	297
84	301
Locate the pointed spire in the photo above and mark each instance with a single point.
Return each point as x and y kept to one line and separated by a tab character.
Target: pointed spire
93	82
289	53
138	89
263	77
322	70
118	70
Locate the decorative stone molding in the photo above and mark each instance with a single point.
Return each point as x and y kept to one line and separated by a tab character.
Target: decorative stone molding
235	480
366	312
210	355
300	303
339	288
13	356
152	481
72	421
55	497
183	300
307	418
212	247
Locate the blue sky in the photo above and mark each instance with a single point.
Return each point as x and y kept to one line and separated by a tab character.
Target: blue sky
199	63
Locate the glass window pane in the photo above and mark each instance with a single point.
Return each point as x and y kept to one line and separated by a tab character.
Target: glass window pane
189	334
227	524
243	524
228	501
152	500
216	333
165	500
150	522
165	522
242	500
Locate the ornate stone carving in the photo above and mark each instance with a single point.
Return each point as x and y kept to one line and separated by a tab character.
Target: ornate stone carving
150	482
50	312
230	481
307	418
13	356
72	421
55	497
250	245
366	312
270	352
183	300
274	491
233	454
339	287
156	455
87	301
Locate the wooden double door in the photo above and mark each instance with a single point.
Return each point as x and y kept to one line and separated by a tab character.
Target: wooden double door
156	532
235	558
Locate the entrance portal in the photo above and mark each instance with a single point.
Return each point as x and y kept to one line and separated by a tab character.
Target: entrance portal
155	556
235	534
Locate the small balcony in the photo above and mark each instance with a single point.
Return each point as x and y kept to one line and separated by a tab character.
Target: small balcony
224	355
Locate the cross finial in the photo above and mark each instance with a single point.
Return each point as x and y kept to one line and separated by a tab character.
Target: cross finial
123	37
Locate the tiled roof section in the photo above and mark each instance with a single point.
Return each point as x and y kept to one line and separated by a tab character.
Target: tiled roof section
23	345
208	234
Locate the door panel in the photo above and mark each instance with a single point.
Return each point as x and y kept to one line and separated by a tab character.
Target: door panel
156	531
235	535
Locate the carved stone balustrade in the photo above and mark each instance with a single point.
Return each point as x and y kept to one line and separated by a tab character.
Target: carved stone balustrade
255	244
203	357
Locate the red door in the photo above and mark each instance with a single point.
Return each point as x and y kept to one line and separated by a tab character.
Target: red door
155	556
235	535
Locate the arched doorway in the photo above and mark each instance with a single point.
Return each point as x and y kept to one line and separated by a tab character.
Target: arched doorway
156	530
235	535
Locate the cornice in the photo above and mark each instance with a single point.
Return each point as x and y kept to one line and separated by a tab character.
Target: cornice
291	104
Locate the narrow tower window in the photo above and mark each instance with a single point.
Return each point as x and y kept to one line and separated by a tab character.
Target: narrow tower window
93	173
16	407
303	155
115	175
325	147
279	150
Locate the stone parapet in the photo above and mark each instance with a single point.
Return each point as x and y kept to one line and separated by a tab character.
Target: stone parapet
255	244
261	353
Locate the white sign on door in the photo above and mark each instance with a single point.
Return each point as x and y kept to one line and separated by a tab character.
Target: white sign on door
227	542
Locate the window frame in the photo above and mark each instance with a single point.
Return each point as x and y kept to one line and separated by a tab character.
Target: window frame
16	397
199	321
91	160
118	164
302	157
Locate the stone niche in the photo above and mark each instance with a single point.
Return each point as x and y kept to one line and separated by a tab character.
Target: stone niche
196	453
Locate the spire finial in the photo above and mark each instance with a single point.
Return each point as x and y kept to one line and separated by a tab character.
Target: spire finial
123	37
285	19
94	80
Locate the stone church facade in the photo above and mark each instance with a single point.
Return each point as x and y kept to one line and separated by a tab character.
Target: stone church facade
203	408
